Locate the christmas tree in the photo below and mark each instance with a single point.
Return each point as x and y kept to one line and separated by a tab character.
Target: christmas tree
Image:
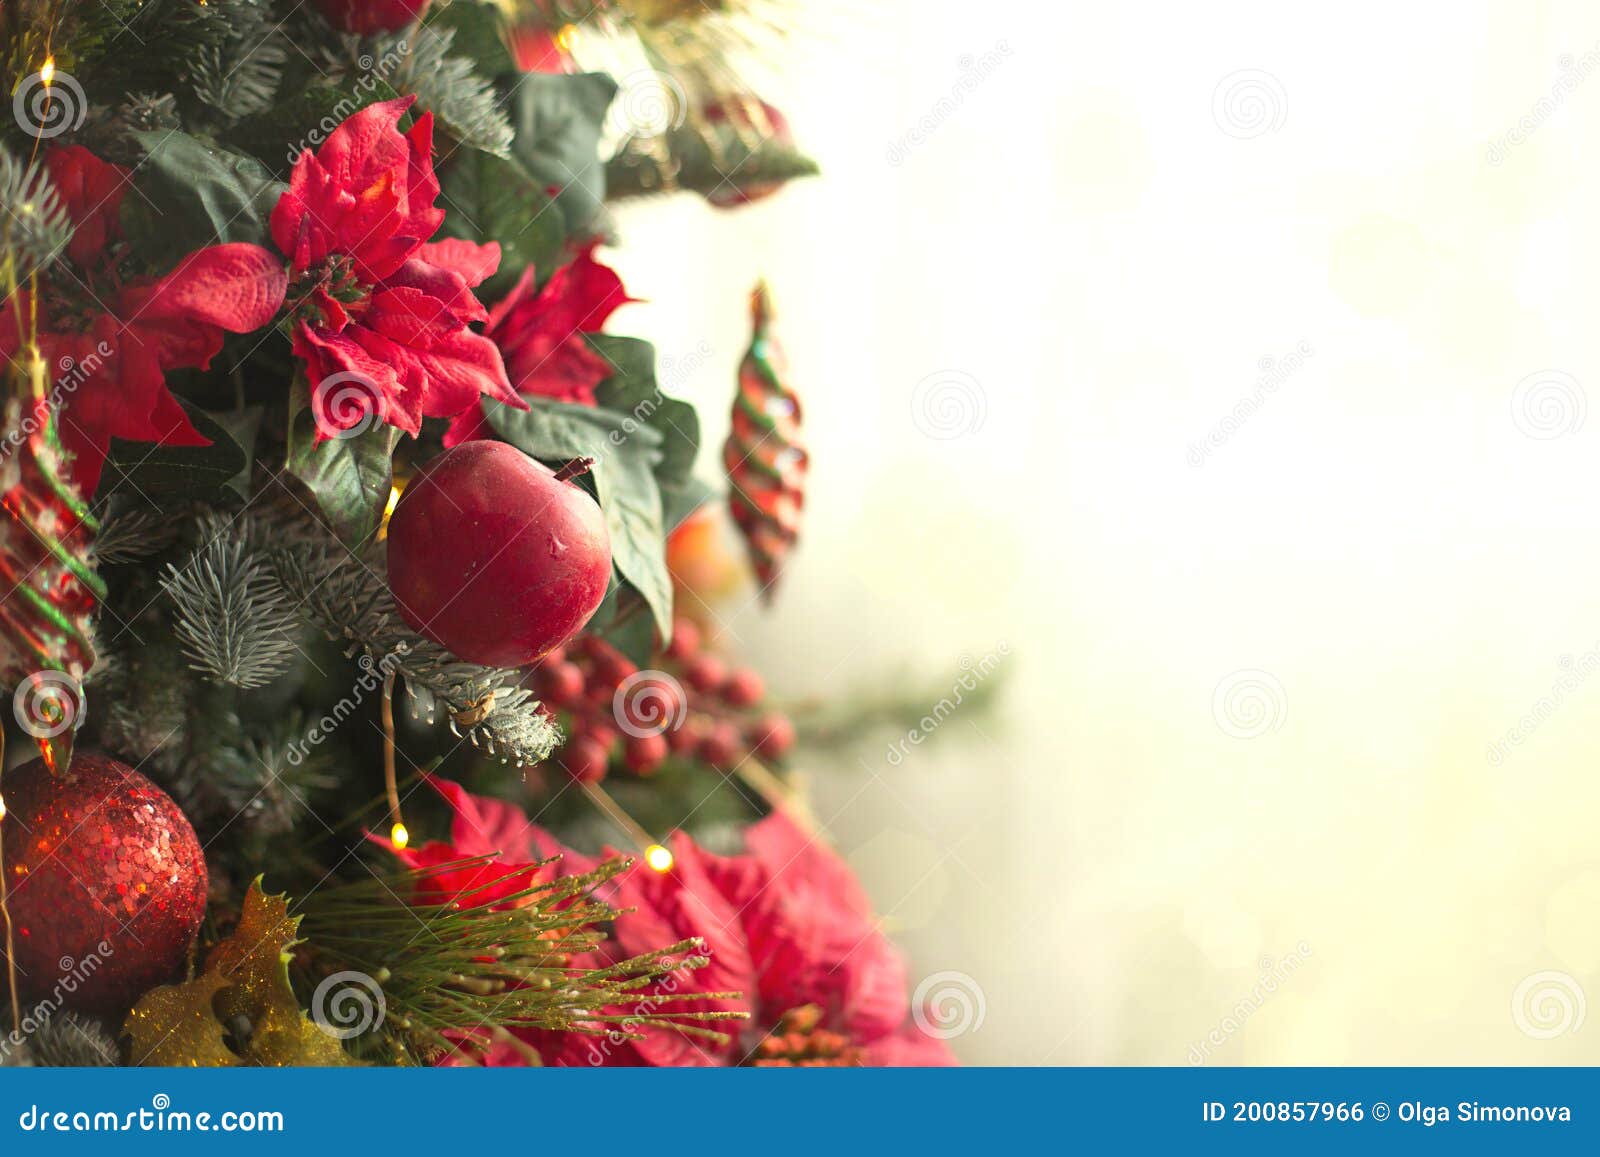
360	714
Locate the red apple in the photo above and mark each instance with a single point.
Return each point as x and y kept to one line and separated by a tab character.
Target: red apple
495	556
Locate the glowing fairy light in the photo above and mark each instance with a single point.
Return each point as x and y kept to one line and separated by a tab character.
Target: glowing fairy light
658	857
47	70
399	837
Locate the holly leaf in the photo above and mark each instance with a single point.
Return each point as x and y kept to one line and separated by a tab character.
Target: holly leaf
557	119
193	195
246	981
489	199
255	963
171	476
350	477
175	1026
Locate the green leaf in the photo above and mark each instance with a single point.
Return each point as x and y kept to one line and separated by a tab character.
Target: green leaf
489	199
349	477
194	195
631	502
170	476
632	390
557	119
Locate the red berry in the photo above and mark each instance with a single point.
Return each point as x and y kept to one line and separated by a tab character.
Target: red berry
721	748
688	737
772	736
561	684
584	759
743	688
600	733
644	753
705	673
494	558
685	640
554	655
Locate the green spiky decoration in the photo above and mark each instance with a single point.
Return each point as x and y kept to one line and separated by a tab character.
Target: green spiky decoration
764	456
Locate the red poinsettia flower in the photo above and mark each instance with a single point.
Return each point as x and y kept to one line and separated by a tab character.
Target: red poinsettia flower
540	335
374	303
484	827
109	342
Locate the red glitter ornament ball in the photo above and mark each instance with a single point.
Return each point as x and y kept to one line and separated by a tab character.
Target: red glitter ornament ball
106	882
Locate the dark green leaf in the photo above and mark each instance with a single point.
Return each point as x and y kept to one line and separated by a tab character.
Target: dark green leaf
194	195
171	476
349	477
632	390
488	199
557	120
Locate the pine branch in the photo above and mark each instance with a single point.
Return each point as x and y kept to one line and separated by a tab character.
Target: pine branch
131	534
467	105
454	972
34	226
342	597
65	1040
239	75
232	617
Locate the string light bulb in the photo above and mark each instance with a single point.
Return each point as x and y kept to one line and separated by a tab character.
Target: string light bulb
399	837
47	70
2	807
658	857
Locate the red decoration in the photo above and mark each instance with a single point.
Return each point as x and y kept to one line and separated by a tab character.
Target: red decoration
367	16
108	348
690	703
495	556
107	882
764	456
382	317
750	117
540	335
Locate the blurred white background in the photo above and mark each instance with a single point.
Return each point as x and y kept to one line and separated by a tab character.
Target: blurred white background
1097	252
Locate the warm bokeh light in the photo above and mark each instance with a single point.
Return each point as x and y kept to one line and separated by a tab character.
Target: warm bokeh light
658	857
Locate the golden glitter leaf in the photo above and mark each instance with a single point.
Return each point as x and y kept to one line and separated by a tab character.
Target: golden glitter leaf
245	982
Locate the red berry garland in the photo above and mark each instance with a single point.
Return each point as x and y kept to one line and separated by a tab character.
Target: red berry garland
690	705
106	882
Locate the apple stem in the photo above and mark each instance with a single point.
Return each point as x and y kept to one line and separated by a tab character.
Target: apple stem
572	469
